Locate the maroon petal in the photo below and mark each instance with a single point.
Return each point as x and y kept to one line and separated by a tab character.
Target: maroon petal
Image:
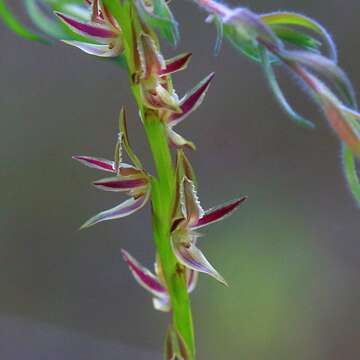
96	163
175	64
192	100
120	183
218	213
144	277
86	29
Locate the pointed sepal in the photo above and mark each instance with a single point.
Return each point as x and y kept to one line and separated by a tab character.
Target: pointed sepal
219	213
176	64
122	183
144	277
96	163
126	208
100	50
188	254
192	100
92	30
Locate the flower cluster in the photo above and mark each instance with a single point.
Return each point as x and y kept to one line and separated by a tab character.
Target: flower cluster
152	73
130	178
188	215
153	77
102	30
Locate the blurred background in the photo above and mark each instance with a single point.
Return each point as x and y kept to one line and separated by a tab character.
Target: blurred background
291	254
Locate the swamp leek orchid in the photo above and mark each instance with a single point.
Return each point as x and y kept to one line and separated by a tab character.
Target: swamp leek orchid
189	216
152	74
154	283
131	179
156	87
102	31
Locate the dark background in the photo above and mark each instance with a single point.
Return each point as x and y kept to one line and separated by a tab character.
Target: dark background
291	253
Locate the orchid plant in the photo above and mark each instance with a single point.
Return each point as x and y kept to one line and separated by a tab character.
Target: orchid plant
127	32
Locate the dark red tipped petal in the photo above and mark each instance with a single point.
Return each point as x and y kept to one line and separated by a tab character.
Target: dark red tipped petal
143	276
120	183
96	163
176	64
86	29
219	213
192	100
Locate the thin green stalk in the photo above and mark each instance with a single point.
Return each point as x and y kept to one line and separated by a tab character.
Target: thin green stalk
163	189
163	185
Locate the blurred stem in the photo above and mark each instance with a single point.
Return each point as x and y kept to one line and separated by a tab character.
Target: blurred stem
163	185
350	172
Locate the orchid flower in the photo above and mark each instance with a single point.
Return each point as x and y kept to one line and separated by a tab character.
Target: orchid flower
158	92
154	283
127	178
189	216
153	73
102	30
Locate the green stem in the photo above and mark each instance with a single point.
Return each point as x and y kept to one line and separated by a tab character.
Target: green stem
163	189
163	185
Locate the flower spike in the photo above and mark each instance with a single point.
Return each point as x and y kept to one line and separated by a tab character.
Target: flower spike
129	178
155	283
